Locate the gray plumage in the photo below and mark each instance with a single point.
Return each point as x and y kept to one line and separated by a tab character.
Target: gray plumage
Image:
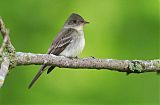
69	42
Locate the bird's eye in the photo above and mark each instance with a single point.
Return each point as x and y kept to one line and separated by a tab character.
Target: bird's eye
74	21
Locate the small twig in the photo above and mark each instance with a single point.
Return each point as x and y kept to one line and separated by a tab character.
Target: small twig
5	60
5	33
3	45
7	52
6	39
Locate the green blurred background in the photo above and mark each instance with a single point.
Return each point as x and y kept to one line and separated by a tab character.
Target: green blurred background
119	29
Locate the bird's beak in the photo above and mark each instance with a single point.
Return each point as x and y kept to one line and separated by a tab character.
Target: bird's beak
85	22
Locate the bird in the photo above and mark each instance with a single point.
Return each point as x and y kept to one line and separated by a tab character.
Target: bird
69	42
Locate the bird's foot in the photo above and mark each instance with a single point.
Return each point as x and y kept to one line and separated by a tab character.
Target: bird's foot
73	57
92	57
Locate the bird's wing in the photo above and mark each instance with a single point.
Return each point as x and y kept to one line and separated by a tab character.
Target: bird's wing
62	41
59	44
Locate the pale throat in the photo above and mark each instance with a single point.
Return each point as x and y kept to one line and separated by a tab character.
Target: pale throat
78	28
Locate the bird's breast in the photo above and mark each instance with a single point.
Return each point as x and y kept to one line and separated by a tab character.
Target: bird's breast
76	46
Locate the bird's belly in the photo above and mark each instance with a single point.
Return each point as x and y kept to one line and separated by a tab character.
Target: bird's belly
74	48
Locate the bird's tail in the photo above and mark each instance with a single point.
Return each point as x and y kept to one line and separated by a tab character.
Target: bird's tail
50	69
42	69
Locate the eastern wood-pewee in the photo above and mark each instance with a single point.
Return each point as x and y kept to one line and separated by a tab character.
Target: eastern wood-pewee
69	42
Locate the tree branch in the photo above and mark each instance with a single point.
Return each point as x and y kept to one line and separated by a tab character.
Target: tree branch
4	70
129	66
7	53
10	58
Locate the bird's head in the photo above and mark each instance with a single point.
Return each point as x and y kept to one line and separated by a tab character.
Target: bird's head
75	21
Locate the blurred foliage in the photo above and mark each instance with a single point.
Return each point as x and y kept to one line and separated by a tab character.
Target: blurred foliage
119	29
